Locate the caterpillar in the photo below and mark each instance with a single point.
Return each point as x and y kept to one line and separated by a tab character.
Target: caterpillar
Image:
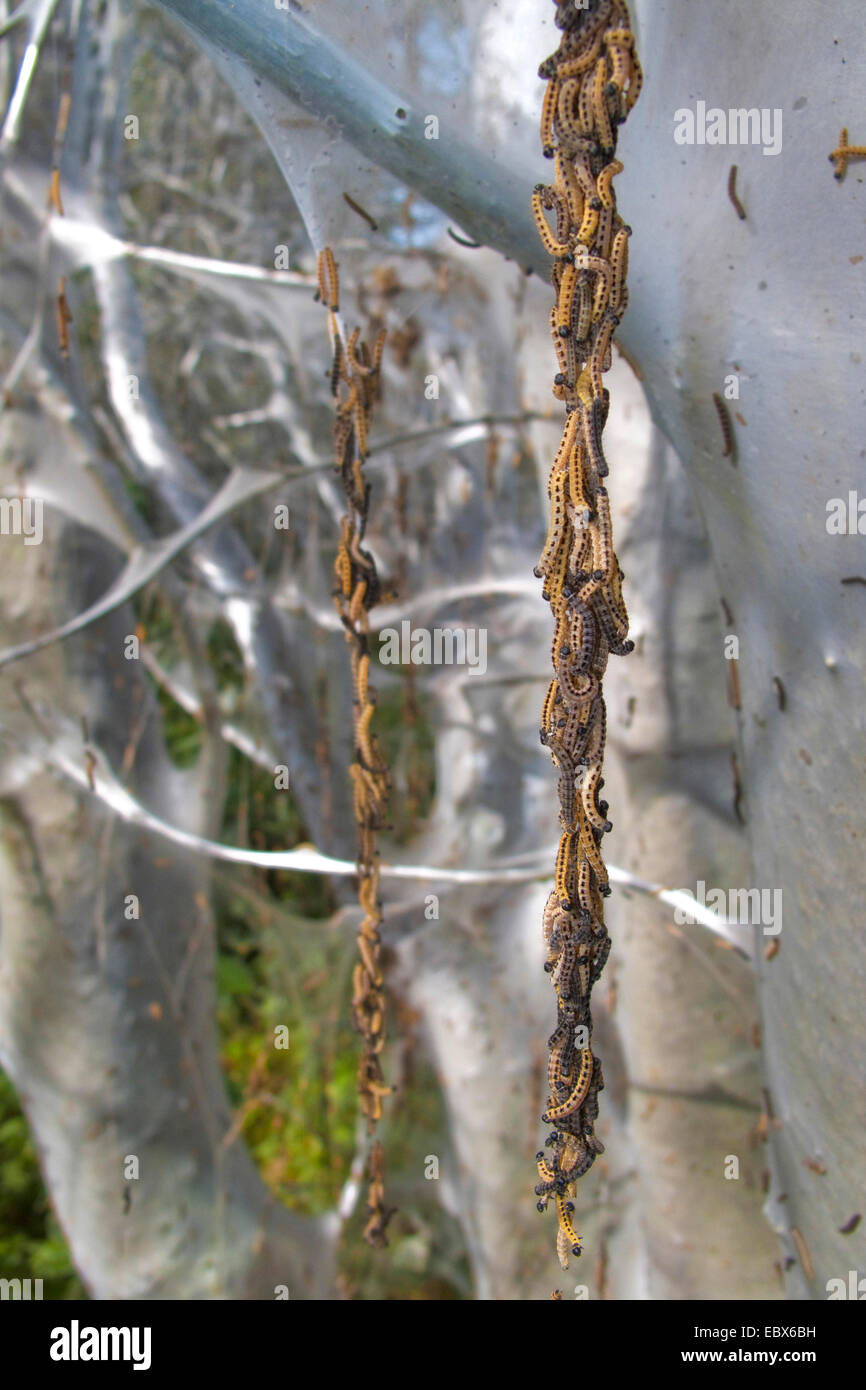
558	519
569	189
359	797
562	975
589	225
584	632
635	82
569	125
329	280
563	866
600	268
588	793
585	105
343	571
565	298
367	896
619	43
369	960
363	739
555	201
551	908
575	1100
63	315
546	1173
547	711
726	426
600	358
600	107
558	1075
581	169
560	646
548	111
843	153
597	733
551	245
359	412
573	67
356	603
732	193
565	1246
612	608
581	549
557	577
566	444
54	198
619	268
559	345
336	368
619	37
590	850
576	492
584	888
592	428
361	667
378	354
602	542
576	688
583	975
362	212
585	308
356	361
604	232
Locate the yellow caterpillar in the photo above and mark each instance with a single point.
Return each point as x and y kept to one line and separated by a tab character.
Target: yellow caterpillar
578	1095
608	173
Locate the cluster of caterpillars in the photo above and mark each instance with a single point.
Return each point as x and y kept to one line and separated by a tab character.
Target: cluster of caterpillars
593	80
356	386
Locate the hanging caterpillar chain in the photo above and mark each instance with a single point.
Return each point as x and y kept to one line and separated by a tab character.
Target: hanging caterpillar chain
356	387
593	80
